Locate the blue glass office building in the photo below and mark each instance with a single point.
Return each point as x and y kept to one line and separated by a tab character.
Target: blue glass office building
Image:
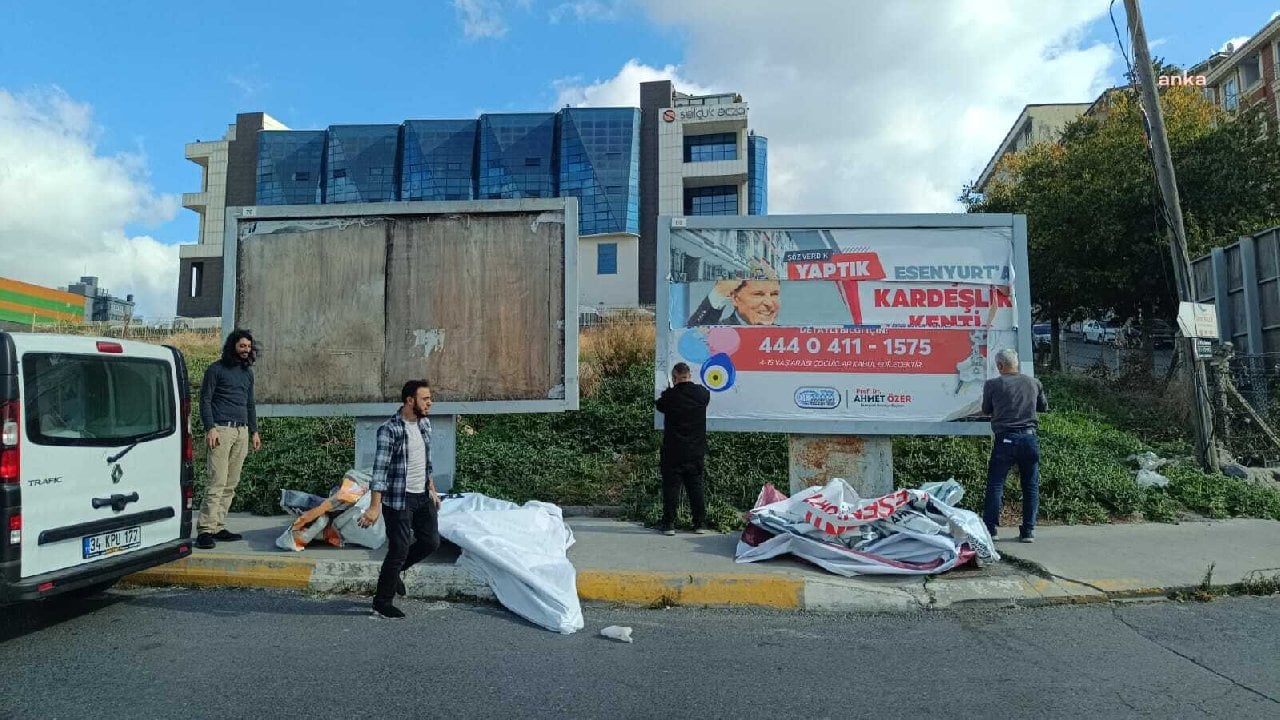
600	165
589	153
757	175
290	167
517	156
362	163
438	160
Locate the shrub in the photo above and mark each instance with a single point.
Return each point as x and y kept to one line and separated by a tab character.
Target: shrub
307	454
619	345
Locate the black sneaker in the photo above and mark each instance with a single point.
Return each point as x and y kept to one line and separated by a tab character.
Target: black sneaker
401	590
225	535
388	611
204	541
667	530
1027	536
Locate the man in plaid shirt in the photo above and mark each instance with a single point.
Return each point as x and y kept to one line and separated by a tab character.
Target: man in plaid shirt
402	488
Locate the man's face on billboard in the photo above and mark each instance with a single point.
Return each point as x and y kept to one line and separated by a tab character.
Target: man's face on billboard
758	301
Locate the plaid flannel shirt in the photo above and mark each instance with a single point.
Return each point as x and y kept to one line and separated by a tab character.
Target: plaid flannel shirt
390	461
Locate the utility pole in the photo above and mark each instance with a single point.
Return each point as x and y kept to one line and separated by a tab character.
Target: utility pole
1202	413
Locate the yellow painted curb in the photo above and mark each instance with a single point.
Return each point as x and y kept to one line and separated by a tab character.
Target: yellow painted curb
1103	587
666	588
206	569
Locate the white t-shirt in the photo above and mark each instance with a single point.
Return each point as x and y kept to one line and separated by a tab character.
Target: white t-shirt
415	479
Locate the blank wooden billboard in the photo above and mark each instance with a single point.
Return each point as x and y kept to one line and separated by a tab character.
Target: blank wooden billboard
477	307
314	300
347	302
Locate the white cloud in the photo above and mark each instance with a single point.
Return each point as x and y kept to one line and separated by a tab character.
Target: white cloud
877	107
249	83
481	18
588	10
622	89
1236	43
64	205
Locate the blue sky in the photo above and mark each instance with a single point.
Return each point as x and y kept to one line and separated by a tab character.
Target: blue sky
136	80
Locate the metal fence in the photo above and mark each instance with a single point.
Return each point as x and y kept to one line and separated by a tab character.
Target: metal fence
590	317
128	331
1246	394
1243	281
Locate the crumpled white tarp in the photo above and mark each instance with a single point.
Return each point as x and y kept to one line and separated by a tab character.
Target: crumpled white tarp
907	532
521	551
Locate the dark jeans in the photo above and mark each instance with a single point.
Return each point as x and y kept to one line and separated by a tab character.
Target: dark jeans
690	476
1023	450
1009	450
419	518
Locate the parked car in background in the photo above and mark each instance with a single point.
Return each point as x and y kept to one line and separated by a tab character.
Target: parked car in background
1101	331
1042	334
1161	334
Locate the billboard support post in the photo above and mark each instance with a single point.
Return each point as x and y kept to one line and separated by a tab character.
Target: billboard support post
444	447
863	461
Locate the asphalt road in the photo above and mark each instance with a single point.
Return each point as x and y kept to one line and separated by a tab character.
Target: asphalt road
229	654
1078	354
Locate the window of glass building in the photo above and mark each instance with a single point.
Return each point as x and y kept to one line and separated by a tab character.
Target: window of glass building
599	162
708	148
607	259
516	152
437	160
290	164
718	200
757	175
365	155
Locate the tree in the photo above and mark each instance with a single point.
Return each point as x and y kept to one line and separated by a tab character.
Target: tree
1097	243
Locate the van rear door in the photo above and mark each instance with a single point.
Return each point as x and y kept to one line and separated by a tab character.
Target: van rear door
101	449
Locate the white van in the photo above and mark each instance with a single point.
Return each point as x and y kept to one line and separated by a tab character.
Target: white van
95	462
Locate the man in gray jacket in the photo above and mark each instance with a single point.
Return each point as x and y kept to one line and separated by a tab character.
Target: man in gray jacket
231	424
1013	401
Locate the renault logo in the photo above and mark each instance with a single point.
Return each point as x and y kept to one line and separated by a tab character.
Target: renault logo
117	472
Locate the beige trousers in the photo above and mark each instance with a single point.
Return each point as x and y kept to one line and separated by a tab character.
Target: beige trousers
223	474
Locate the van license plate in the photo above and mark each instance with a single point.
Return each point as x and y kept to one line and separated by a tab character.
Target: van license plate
110	543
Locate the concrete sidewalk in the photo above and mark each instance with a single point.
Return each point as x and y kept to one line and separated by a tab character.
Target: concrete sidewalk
624	563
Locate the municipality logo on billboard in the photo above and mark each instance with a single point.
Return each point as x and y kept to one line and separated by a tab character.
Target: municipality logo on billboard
817	398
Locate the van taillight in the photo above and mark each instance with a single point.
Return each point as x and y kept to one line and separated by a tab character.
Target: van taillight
10	435
15	529
110	347
187	494
188	452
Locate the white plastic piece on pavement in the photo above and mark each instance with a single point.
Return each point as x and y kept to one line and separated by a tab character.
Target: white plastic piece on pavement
620	633
521	551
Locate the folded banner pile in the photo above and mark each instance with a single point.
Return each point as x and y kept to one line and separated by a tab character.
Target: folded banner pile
907	532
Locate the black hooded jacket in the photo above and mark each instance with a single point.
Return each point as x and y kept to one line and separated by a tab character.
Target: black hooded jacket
684	437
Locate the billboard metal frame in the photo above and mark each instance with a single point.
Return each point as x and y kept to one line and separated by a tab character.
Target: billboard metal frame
1022	294
566	205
